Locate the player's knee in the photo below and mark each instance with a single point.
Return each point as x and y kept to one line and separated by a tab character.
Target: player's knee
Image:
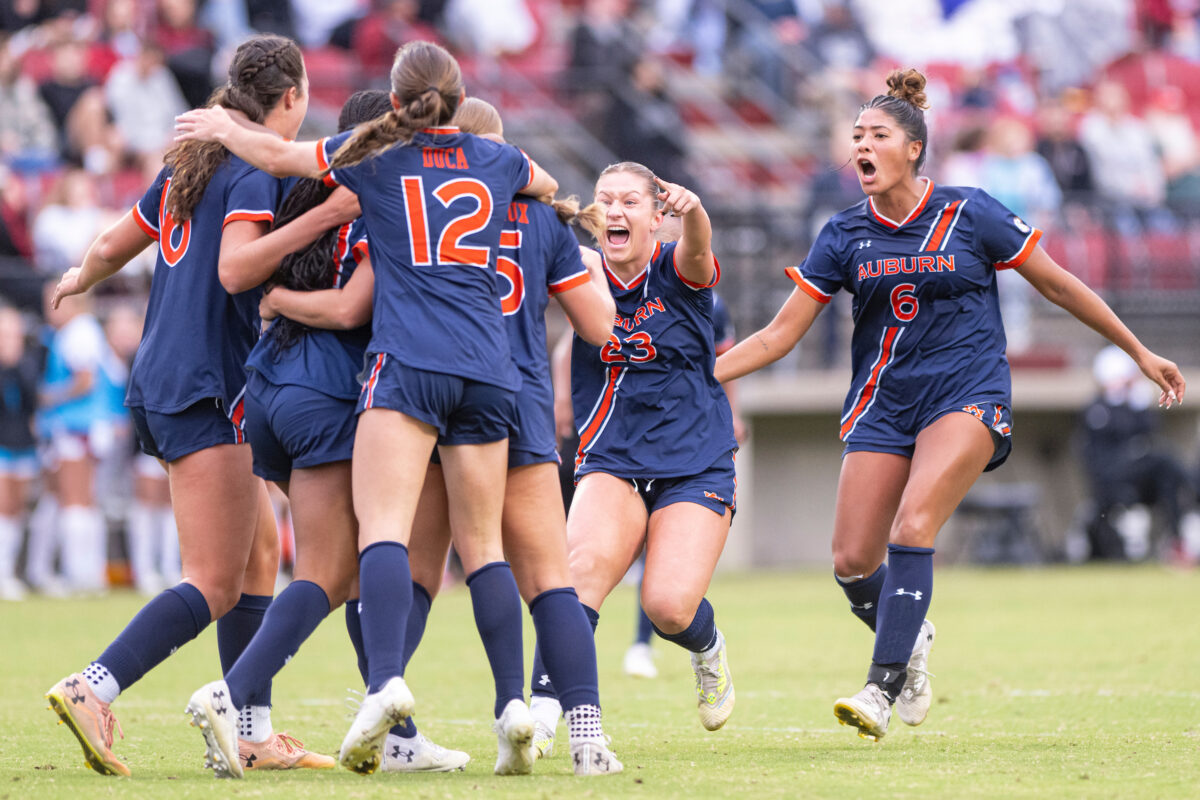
913	529
220	595
669	613
850	562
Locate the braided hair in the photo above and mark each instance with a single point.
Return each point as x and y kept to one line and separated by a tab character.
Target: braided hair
428	83
263	69
313	268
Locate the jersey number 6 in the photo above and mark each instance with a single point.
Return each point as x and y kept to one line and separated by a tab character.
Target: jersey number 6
904	302
450	247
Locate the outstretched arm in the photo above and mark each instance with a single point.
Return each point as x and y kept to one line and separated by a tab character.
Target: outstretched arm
1067	291
256	146
772	342
693	255
112	250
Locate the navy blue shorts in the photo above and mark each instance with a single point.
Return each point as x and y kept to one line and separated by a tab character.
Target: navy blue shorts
715	488
516	458
463	411
877	438
294	427
201	425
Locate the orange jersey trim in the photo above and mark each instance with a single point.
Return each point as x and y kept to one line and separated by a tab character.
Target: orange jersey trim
588	434
1024	253
916	212
360	250
144	224
806	286
868	391
566	284
248	216
716	278
935	241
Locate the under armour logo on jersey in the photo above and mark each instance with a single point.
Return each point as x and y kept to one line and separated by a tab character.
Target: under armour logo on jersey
544	680
867	243
915	595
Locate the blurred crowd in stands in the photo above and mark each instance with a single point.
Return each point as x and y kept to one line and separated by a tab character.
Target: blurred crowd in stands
1081	116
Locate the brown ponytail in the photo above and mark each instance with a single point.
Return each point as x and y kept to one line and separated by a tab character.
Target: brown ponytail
427	83
263	69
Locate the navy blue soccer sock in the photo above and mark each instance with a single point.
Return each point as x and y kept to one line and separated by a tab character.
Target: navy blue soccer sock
169	621
497	606
567	645
289	621
700	635
354	631
234	632
385	593
903	604
417	616
863	594
541	685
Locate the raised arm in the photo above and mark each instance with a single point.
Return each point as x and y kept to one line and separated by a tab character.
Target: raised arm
693	255
331	309
249	256
542	185
560	377
256	146
590	306
772	342
1068	292
112	250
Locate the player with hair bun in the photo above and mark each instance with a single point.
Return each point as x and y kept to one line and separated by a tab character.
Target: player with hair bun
929	403
655	463
440	372
206	211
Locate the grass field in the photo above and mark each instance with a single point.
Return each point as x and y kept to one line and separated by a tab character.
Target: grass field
1050	683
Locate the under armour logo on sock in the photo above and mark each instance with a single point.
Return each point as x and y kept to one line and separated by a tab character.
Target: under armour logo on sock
544	680
865	606
915	595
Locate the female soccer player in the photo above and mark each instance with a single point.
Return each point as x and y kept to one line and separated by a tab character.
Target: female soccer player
929	402
300	421
440	370
539	258
655	457
185	392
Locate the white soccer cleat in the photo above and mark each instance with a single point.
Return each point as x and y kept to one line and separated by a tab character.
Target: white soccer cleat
214	714
594	758
362	749
869	711
639	661
514	738
419	754
546	713
915	698
714	685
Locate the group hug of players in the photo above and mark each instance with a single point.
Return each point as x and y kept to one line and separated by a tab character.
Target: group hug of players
401	396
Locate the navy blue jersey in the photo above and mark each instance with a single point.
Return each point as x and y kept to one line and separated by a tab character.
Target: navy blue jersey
434	209
327	361
197	336
926	312
539	257
646	404
724	336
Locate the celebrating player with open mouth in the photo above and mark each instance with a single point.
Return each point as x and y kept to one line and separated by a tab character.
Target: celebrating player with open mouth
929	402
